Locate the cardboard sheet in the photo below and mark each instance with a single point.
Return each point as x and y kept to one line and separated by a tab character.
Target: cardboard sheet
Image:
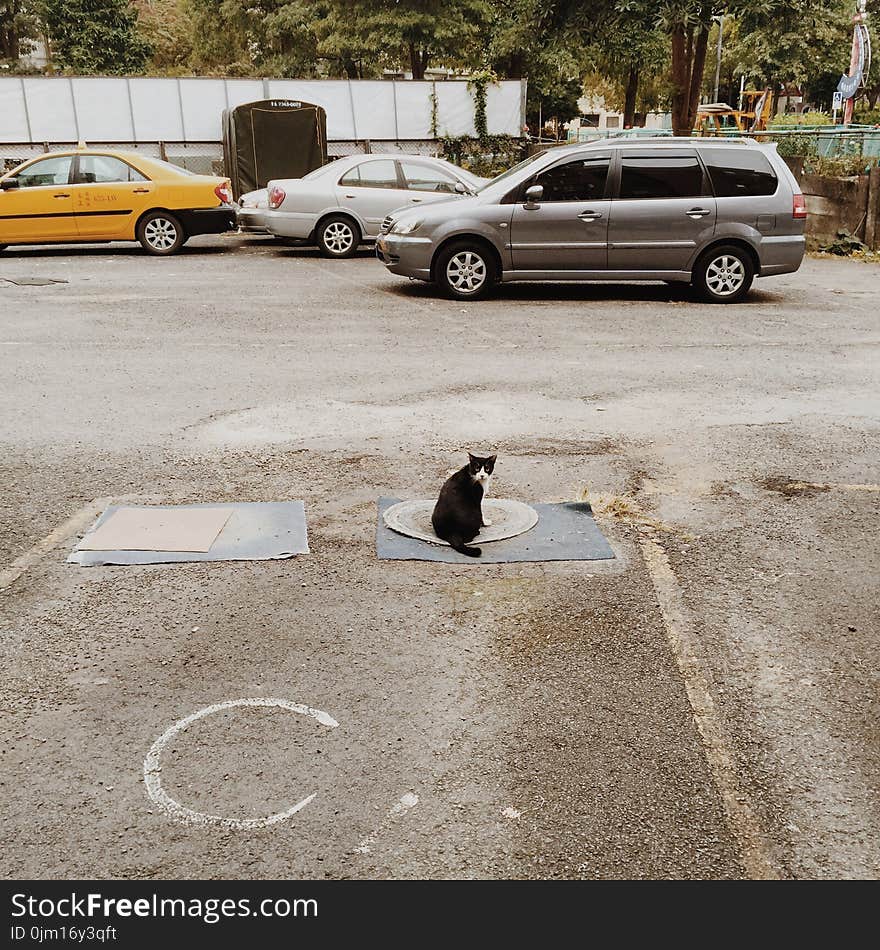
253	531
158	529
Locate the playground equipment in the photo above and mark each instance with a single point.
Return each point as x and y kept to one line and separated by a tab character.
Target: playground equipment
718	118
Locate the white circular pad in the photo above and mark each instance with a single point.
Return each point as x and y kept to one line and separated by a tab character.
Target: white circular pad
509	518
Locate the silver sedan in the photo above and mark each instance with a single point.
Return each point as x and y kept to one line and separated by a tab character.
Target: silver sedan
343	204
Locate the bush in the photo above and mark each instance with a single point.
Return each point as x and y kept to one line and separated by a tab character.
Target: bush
804	119
867	117
488	156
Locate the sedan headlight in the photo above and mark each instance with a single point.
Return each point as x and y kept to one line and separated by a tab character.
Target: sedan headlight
405	227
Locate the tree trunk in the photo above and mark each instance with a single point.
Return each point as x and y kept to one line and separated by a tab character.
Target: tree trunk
688	63
515	64
632	88
680	83
9	48
418	60
350	68
698	65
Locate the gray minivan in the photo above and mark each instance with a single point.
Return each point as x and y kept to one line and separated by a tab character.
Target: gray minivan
712	212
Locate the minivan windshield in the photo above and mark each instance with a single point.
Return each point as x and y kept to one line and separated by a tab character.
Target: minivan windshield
512	171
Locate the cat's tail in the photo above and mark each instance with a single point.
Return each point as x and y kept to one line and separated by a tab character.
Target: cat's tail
464	549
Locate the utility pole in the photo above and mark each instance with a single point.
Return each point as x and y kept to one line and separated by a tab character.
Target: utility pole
720	20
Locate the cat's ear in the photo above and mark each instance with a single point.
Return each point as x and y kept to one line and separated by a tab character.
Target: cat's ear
491	459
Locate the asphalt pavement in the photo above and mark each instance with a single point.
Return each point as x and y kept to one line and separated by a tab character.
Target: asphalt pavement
704	705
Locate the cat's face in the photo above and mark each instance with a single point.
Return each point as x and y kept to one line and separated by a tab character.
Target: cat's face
481	468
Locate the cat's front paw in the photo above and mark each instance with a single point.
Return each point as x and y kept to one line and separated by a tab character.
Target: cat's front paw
487	523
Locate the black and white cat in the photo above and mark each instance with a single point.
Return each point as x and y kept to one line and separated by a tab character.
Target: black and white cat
458	514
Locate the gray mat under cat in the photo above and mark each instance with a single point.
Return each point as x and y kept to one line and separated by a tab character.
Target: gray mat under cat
248	531
565	531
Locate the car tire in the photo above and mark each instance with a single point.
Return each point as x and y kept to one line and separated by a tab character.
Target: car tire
338	236
724	274
466	270
3	247
160	233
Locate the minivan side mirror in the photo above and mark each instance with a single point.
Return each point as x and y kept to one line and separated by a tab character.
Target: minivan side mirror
534	193
460	188
9	183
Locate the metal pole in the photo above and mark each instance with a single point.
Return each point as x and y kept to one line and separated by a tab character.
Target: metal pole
718	60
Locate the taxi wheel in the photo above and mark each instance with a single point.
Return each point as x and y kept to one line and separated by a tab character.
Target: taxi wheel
160	233
3	247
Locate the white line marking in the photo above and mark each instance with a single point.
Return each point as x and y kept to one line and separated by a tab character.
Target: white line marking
400	808
741	817
178	812
74	524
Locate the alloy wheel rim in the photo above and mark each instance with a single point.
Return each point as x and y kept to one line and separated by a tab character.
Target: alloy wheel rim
466	272
160	233
725	275
338	237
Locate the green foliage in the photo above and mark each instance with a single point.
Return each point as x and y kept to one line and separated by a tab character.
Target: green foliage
478	83
95	36
867	117
19	27
808	119
844	244
487	156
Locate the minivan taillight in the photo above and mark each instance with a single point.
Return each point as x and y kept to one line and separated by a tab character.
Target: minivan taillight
224	192
798	206
276	196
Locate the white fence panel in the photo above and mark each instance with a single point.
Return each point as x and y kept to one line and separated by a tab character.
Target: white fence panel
50	106
103	110
414	110
13	114
140	109
156	107
202	104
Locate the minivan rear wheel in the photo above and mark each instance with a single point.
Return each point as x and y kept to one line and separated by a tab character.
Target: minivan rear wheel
724	274
466	271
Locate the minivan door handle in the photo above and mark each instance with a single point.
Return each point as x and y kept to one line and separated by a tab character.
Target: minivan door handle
590	215
698	213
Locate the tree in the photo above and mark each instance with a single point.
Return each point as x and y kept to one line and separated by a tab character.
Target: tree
19	27
165	24
528	39
414	33
800	42
95	36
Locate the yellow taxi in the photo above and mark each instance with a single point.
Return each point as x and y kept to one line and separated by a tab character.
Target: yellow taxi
96	195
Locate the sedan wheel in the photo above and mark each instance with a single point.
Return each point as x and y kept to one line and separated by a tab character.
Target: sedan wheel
338	237
160	233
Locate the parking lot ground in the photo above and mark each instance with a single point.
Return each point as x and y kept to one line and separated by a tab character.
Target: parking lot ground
705	705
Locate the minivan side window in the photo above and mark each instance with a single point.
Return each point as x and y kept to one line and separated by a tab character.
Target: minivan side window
661	176
739	172
580	180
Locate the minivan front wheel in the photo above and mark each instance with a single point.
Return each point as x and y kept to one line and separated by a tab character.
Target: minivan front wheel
465	271
724	274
